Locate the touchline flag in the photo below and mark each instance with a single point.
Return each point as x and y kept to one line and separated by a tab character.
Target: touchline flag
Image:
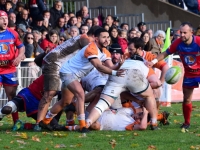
167	41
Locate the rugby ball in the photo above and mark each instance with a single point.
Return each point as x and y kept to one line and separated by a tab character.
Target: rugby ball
173	75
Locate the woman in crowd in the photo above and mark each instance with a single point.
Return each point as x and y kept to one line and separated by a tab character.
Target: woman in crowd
113	34
51	41
147	41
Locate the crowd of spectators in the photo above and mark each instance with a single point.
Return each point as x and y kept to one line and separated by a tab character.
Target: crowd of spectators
42	29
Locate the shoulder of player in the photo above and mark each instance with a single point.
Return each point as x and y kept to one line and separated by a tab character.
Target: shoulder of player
13	32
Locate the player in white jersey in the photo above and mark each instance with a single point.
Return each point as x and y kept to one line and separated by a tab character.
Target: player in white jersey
51	67
121	119
135	80
79	66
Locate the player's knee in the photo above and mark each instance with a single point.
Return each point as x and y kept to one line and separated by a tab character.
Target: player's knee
6	110
102	105
79	95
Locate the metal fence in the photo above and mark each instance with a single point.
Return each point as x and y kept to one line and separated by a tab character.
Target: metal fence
160	25
74	5
131	19
102	10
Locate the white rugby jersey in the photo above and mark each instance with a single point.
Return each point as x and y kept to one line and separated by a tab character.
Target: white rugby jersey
94	79
116	121
80	64
58	56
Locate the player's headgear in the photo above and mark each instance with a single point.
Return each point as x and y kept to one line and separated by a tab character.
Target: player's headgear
3	13
115	48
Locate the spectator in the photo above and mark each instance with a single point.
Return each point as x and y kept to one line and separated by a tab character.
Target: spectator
142	26
95	21
79	19
8	7
138	33
36	7
29	29
32	49
73	31
89	22
12	17
11	25
46	25
171	35
178	3
116	22
63	38
46	14
122	40
21	30
84	14
150	31
158	42
56	12
18	10
109	20
106	26
113	31
14	4
50	42
84	29
60	28
71	14
38	24
192	5
24	18
147	41
124	26
132	34
66	18
2	5
197	33
37	36
44	34
72	22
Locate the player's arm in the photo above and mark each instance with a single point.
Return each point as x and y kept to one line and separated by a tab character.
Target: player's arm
20	56
163	73
110	65
98	65
143	122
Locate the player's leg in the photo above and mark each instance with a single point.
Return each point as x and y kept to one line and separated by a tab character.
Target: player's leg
10	84
187	106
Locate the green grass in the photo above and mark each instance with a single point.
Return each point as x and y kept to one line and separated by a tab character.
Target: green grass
167	138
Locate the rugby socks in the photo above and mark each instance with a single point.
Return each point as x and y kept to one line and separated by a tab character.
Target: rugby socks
70	122
154	121
187	109
15	117
48	117
130	127
71	128
89	122
81	120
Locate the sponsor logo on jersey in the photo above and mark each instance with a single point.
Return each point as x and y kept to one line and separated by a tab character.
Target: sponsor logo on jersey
4	48
190	59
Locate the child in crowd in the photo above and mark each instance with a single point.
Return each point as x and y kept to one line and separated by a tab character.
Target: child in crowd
122	40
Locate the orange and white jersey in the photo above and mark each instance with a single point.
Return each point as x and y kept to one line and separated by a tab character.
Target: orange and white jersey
116	120
94	79
80	64
60	54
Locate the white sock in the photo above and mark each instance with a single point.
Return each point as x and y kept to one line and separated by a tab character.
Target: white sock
50	115
153	120
89	122
81	117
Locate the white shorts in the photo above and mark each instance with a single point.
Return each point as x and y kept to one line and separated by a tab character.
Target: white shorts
134	81
68	78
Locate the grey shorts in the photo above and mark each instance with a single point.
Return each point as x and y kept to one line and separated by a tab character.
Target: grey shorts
51	77
68	78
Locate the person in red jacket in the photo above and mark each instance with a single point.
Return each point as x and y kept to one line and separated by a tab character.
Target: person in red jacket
51	41
122	40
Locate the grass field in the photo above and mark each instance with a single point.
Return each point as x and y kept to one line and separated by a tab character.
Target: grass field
167	138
